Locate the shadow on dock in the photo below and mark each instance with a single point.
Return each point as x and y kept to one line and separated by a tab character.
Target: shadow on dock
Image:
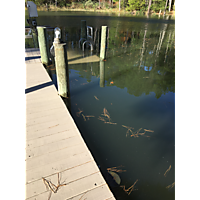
34	88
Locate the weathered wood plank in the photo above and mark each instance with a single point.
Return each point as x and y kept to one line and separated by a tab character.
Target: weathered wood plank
61	165
51	144
55	156
98	193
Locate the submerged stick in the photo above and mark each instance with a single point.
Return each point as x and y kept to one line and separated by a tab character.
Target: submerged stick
84	117
171	186
149	130
167	170
96	98
110	123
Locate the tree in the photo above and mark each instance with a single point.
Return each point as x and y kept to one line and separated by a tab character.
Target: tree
165	6
149	7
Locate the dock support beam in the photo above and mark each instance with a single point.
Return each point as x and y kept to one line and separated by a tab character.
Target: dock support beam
43	44
83	31
103	42
61	68
102	74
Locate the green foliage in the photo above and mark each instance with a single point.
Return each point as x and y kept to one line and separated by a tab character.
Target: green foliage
158	5
89	4
129	5
136	5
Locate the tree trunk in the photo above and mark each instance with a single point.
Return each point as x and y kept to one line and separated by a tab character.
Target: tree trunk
99	4
170	2
165	7
119	4
143	48
149	7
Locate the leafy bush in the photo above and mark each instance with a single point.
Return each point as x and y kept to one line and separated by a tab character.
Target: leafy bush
136	5
159	5
89	4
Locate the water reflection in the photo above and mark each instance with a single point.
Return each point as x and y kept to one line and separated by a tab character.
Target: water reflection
133	100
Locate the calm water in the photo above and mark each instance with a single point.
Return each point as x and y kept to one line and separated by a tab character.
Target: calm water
125	107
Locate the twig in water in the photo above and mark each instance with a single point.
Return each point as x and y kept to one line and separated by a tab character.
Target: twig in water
96	98
78	113
102	119
149	130
130	189
84	117
167	170
88	116
116	169
110	123
171	186
129	129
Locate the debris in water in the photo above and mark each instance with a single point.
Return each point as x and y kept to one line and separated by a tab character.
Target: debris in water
167	170
171	186
129	130
115	169
96	98
110	123
130	189
115	177
107	115
84	117
89	116
149	130
76	80
102	119
78	113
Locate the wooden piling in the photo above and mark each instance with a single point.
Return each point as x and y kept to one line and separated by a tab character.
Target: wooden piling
83	32
43	45
103	43
102	74
61	68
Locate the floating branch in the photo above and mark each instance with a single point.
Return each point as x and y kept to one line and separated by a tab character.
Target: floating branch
102	119
167	170
107	117
129	129
116	169
96	98
136	133
171	186
84	117
110	123
78	113
130	189
149	130
88	116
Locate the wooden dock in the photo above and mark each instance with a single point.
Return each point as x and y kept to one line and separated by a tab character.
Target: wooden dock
55	151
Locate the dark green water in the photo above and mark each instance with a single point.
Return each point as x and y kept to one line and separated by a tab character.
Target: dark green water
136	85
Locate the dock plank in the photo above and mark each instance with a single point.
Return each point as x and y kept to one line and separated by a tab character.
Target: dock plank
54	144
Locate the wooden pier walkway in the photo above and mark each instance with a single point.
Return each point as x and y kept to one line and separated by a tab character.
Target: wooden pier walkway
55	151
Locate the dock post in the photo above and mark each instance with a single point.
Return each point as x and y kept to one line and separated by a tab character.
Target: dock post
102	73
43	44
103	42
83	32
61	64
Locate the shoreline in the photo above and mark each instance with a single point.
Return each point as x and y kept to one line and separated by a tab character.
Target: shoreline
112	11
